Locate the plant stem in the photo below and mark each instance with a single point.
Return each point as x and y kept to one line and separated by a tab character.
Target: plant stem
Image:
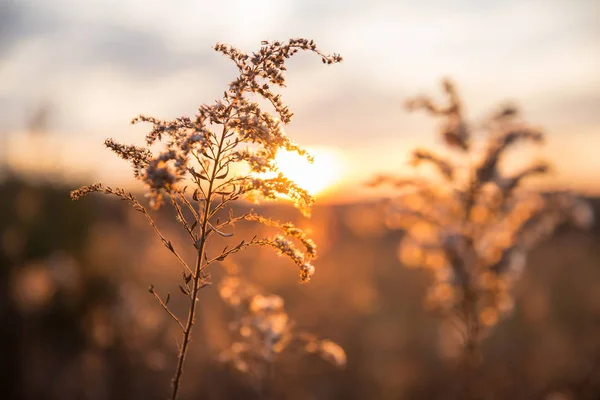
469	302
198	275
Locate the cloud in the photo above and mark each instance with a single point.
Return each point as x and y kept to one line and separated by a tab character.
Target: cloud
103	61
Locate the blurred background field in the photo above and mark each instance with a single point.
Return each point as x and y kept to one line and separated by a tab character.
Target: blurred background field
78	322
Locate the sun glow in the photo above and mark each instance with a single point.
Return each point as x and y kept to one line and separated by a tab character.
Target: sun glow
316	177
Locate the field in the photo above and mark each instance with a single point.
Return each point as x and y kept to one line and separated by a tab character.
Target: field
78	322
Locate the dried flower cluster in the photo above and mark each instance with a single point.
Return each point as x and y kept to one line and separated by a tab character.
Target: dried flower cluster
473	229
204	152
265	331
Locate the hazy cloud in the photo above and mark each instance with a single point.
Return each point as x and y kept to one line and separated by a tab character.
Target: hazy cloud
103	61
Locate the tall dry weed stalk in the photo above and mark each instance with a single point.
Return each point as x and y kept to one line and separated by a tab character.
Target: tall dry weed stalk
194	165
473	227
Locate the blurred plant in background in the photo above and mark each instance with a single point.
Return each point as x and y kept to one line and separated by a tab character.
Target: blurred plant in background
210	153
473	226
265	331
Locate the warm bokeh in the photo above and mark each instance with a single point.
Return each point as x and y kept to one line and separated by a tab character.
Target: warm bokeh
76	318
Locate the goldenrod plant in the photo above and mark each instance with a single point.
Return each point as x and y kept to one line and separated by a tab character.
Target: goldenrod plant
472	224
225	153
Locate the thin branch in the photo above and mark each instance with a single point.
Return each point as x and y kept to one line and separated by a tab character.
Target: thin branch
166	242
166	308
189	205
242	245
188	228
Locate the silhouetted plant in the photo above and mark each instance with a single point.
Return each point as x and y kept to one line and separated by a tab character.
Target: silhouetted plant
205	152
473	227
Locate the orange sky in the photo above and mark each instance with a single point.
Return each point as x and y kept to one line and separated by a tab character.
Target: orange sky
99	63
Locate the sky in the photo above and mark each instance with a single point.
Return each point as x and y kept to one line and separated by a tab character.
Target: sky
93	65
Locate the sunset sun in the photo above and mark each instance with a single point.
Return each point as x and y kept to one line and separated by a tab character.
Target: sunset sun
315	177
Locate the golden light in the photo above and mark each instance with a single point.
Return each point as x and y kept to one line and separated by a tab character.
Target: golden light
315	177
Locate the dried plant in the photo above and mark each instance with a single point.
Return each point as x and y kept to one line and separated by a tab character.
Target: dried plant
473	227
265	331
209	153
